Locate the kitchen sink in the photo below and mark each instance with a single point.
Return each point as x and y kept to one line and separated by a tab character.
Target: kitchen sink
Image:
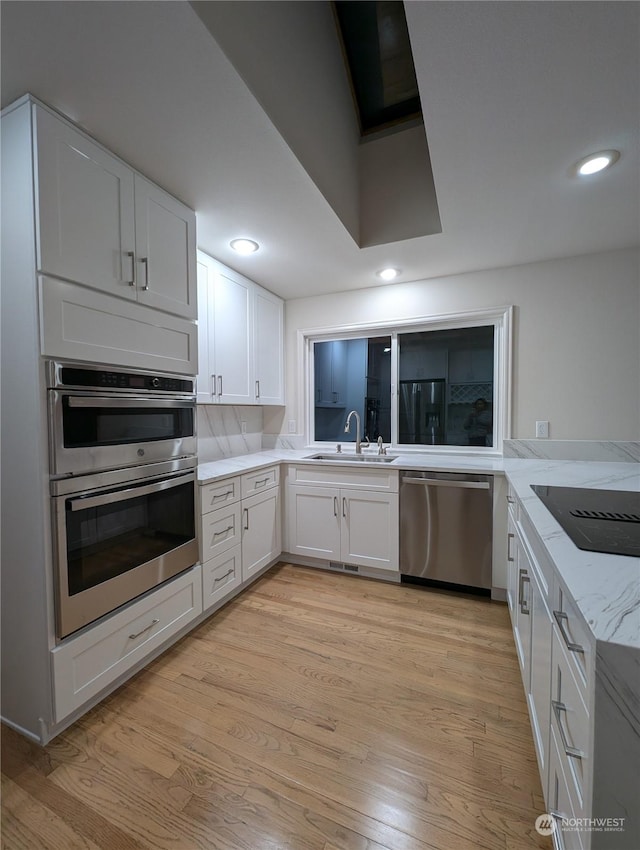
348	458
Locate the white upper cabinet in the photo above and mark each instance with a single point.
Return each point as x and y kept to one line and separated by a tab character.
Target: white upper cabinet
165	251
240	338
268	347
102	225
85	209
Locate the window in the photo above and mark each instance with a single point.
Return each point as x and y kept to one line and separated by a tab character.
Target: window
443	382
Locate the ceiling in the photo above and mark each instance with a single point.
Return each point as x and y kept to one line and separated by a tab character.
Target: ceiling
513	93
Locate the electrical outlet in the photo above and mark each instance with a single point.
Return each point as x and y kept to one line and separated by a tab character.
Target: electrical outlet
292	426
243	427
542	429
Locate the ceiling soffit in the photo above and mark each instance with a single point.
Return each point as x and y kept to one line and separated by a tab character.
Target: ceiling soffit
289	56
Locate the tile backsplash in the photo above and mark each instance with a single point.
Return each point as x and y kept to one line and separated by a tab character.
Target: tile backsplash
226	431
599	450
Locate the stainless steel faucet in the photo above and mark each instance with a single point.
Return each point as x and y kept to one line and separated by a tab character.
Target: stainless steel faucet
382	450
346	429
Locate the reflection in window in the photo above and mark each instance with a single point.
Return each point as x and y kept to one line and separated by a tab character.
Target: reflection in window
445	387
352	374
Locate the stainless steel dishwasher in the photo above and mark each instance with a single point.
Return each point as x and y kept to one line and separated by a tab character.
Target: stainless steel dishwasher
446	529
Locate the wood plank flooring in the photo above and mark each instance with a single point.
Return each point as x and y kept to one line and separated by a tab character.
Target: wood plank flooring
314	712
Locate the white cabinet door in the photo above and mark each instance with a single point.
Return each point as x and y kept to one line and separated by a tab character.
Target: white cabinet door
85	203
539	696
165	251
313	521
370	529
206	379
522	624
512	568
261	531
268	347
232	329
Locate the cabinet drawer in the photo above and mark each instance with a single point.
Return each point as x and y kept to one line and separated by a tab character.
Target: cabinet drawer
571	723
335	476
86	664
220	530
262	479
219	493
575	636
560	801
220	576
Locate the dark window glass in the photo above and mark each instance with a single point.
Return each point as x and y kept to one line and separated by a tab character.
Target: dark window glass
109	426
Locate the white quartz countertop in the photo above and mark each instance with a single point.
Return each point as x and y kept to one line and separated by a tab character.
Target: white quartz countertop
606	588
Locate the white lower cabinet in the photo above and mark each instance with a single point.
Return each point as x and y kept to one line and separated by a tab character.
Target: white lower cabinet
240	531
586	738
85	665
221	576
347	523
261	531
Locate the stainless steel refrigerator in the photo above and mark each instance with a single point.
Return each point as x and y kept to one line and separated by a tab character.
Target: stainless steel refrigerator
422	412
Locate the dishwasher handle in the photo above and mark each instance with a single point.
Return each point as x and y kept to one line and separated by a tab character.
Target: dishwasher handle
438	482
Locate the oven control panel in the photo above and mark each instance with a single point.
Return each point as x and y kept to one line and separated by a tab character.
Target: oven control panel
99	379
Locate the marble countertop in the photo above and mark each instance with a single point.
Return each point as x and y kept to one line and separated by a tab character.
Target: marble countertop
606	588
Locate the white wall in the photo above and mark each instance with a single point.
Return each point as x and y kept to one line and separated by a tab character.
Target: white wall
576	338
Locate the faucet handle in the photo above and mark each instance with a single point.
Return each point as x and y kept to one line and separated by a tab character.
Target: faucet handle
338	449
368	443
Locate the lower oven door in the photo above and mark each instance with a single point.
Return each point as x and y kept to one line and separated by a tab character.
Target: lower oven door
114	544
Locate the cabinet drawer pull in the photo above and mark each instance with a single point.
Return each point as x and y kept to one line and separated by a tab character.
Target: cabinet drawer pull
132	257
145	263
261	482
142	631
510	501
524	578
558	708
224	531
560	618
223	495
509	539
222	578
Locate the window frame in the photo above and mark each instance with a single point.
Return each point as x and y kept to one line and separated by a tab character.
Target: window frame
500	317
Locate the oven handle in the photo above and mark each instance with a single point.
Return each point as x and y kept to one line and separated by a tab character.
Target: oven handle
81	503
102	401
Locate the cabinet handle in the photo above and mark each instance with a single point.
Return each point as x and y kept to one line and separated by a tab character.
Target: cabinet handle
335	397
132	256
261	482
223	495
509	539
560	618
145	263
222	578
335	506
219	385
524	578
213	385
224	531
558	708
142	631
246	519
344	507
257	389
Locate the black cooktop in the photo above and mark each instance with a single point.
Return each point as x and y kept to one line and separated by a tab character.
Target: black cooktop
596	520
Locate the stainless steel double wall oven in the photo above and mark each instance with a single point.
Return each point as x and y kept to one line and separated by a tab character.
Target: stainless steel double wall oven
123	460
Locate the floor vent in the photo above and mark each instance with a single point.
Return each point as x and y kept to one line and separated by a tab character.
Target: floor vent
334	565
351	568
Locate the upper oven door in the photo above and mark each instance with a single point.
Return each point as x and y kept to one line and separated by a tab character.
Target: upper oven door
91	432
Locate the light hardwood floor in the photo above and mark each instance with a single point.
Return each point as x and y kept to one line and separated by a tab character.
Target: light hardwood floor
314	712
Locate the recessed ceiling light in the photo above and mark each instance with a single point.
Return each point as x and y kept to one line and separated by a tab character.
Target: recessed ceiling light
596	162
388	274
244	246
